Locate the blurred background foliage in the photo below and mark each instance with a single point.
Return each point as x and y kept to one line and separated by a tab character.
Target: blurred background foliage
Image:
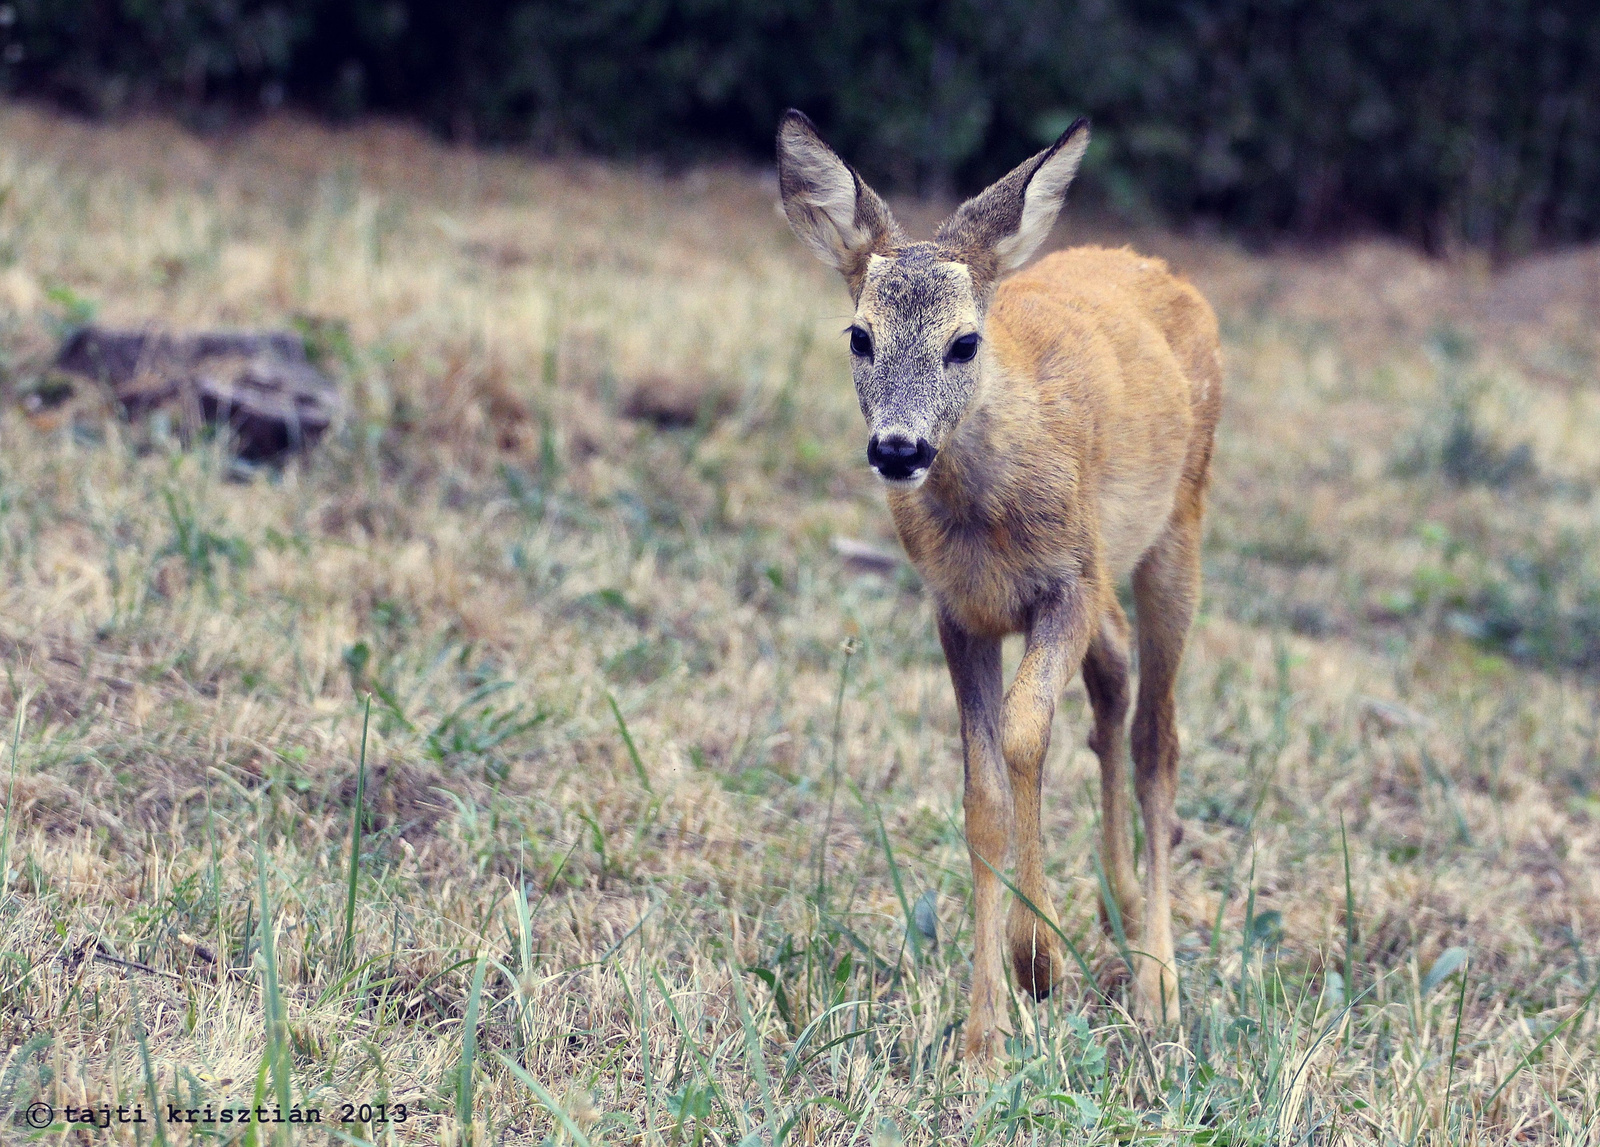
1448	122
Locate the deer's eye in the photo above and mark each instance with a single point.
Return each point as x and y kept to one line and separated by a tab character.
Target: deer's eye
860	343
963	348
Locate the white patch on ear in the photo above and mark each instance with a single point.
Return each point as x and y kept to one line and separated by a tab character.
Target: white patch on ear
1041	201
824	214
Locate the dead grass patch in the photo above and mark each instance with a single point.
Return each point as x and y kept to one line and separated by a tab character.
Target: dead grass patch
578	539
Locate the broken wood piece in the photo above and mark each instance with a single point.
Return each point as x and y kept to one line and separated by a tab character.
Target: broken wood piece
864	557
259	385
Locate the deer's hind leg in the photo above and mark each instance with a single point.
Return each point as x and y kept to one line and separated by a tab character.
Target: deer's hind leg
1166	586
1106	679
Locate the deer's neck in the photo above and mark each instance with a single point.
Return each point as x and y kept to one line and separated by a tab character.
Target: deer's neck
969	481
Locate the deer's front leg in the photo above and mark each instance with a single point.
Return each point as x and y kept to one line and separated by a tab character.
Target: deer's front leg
1058	634
975	672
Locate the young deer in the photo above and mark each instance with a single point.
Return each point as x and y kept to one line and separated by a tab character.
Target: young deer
1041	437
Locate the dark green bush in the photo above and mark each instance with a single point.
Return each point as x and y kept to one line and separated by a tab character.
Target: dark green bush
1446	121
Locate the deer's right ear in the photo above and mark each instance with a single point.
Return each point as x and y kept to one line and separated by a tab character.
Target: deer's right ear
833	212
1000	228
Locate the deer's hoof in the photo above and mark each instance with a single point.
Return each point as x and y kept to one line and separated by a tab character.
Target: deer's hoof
1156	997
1038	969
986	1040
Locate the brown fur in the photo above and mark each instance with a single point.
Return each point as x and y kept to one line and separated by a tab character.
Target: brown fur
1074	452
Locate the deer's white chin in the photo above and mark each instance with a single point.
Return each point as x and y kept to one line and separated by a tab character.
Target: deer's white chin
910	483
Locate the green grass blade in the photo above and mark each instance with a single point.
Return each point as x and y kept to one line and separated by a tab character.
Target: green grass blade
347	948
833	774
277	1049
143	1039
1582	1007
216	883
556	1110
349	976
633	750
11	795
912	932
1349	917
469	1048
793	1061
753	1052
1072	949
1108	901
1455	1044
252	1137
687	1034
644	1052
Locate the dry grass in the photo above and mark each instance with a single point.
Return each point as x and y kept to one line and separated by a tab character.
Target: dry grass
601	440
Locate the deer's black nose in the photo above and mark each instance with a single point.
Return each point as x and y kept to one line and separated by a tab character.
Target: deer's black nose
897	457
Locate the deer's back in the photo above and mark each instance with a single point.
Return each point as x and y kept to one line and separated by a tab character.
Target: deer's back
1122	361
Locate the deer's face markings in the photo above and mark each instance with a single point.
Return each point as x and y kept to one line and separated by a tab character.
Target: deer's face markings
914	351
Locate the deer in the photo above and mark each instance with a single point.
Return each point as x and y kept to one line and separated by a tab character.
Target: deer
1041	434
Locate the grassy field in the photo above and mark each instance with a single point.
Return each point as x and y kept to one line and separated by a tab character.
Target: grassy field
658	838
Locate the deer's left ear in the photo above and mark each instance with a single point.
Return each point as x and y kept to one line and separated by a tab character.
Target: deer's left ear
1000	228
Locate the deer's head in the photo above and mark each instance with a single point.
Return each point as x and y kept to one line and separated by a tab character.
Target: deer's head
916	344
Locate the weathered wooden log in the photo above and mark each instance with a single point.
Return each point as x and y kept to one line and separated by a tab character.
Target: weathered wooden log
258	384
